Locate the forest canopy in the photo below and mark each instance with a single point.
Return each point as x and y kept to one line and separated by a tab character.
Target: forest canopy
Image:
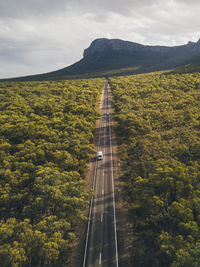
45	142
158	126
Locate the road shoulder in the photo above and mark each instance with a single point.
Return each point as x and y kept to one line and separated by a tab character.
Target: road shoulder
123	225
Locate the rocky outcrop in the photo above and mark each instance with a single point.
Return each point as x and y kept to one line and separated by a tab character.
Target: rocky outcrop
103	44
116	45
108	55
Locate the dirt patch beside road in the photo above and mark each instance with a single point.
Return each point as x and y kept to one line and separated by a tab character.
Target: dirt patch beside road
123	225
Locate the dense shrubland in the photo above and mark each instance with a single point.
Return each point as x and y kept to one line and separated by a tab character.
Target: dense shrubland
158	125
45	141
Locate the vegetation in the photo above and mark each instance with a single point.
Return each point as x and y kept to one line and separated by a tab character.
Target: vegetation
45	142
157	122
193	66
87	75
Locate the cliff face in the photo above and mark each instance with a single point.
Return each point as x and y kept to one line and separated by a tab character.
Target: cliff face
103	45
105	55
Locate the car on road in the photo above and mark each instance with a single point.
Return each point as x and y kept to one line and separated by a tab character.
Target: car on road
100	155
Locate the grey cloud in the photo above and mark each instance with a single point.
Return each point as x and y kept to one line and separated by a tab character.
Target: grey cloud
119	7
44	35
27	8
191	2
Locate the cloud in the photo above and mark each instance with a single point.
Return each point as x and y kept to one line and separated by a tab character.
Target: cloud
27	8
40	36
30	8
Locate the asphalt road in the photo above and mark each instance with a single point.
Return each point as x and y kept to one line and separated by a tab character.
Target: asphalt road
101	239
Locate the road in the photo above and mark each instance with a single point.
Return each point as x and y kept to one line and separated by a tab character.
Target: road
101	239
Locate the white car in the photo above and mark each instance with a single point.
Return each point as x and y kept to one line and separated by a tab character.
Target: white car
100	155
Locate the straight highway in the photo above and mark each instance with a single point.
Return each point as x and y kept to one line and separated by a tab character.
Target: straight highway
101	238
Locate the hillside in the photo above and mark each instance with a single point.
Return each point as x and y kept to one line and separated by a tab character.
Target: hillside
113	56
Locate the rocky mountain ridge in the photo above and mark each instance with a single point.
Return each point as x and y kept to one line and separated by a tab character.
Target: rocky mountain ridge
115	56
102	44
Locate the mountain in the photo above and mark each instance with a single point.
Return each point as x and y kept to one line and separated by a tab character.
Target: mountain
114	56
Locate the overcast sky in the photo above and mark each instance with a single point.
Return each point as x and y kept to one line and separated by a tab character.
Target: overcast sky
38	36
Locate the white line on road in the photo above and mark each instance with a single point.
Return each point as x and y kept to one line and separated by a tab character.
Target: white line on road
102	191
92	200
113	189
100	258
101	217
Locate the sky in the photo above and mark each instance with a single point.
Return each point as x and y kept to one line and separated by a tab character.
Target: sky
38	36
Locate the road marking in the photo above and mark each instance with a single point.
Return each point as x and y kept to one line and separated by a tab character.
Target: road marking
100	258
113	189
102	191
94	187
92	199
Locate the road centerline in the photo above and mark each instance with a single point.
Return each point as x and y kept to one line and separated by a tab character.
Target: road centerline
101	238
100	258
